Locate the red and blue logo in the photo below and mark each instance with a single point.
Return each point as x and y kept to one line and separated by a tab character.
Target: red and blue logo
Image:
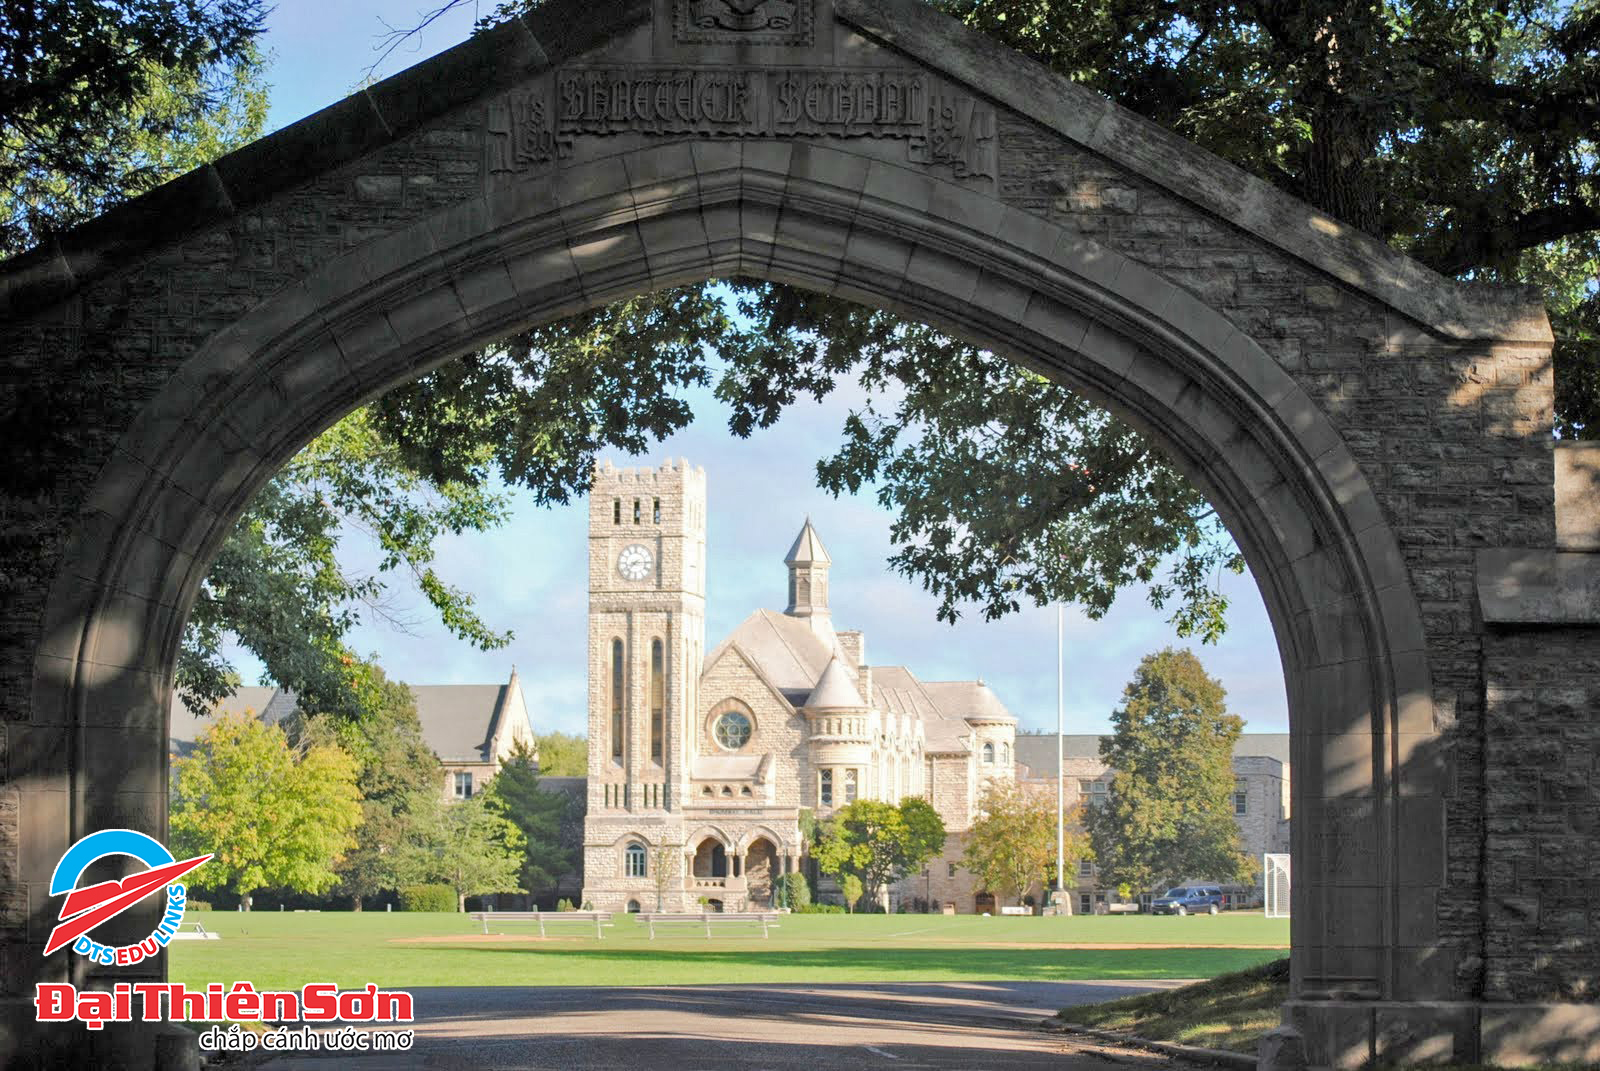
93	906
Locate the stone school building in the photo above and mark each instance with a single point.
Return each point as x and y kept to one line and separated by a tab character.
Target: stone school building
701	761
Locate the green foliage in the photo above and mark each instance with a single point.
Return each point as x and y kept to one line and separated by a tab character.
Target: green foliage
877	843
1013	840
101	100
563	755
271	816
196	905
463	844
397	768
1169	815
541	817
427	897
820	909
850	888
796	890
278	588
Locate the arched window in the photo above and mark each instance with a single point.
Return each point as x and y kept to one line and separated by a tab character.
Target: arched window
633	907
618	691
634	860
988	754
658	699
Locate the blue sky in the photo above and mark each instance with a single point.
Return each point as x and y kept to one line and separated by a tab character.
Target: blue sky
529	574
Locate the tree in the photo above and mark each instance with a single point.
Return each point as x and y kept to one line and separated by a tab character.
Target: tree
271	817
465	845
563	755
878	843
397	768
279	588
1168	815
664	871
540	816
101	100
1013	841
850	888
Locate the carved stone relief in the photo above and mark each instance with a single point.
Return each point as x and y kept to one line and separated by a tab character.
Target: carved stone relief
751	22
941	128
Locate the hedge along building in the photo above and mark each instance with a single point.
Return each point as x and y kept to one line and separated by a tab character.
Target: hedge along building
1376	438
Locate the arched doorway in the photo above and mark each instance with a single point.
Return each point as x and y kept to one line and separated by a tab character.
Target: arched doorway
549	221
760	872
710	860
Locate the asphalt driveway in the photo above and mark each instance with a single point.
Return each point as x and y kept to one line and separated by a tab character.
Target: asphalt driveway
973	1026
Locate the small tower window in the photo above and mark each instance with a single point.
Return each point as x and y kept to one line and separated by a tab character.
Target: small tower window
616	511
825	788
850	786
988	754
655	512
636	511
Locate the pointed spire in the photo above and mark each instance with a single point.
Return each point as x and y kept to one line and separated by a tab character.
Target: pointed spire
807	548
835	689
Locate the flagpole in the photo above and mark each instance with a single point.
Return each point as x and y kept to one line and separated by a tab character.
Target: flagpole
1061	828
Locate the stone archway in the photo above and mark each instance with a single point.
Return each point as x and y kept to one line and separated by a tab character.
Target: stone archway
1284	363
760	872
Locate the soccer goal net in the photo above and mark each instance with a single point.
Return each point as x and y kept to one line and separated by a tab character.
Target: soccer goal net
1275	878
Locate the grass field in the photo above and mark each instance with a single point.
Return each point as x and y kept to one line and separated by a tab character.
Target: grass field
286	950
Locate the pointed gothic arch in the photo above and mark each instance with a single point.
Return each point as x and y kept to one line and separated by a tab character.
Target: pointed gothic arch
568	211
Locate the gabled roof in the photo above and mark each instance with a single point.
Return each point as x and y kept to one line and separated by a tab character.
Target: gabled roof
783	649
272	705
458	719
897	691
836	689
807	548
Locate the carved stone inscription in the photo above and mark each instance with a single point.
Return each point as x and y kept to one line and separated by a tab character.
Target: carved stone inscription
749	22
940	128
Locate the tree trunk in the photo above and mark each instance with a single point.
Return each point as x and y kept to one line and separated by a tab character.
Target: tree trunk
355	903
461	901
246	899
1338	175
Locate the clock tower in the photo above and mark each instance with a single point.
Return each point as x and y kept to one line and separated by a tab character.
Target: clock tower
647	545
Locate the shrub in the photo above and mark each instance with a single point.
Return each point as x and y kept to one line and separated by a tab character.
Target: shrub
427	898
797	891
820	909
564	904
196	905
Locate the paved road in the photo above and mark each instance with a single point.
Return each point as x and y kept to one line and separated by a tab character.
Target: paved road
973	1026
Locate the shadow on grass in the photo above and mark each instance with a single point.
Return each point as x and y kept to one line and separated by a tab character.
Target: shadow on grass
732	965
1228	1012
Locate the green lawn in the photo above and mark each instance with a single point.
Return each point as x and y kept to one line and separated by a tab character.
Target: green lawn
287	950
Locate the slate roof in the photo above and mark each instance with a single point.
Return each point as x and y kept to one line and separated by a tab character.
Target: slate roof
459	719
836	689
784	649
184	727
967	699
807	548
1037	751
898	691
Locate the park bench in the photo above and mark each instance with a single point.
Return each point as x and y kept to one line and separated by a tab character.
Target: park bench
597	918
708	920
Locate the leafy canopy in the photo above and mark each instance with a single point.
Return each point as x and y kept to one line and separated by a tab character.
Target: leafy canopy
464	844
877	843
1013	840
273	817
101	100
1169	813
396	770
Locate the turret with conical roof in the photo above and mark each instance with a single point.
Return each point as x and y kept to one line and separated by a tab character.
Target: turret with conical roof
808	564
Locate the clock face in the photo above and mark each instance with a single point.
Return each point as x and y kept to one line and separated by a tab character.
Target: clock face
635	561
